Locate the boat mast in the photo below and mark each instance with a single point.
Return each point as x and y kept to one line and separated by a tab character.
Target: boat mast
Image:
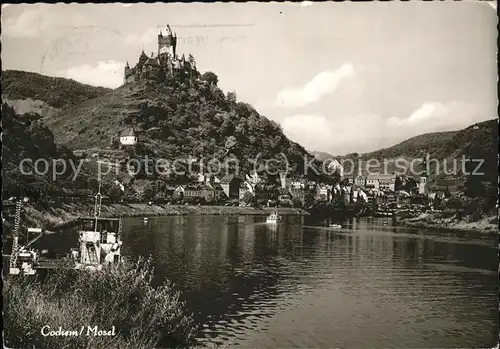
97	205
15	238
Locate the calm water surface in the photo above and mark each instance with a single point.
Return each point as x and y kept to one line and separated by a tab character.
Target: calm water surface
301	285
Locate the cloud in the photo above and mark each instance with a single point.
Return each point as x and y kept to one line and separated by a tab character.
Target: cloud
342	134
322	84
336	135
106	74
30	23
435	116
306	3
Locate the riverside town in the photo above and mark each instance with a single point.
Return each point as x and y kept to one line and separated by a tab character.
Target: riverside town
333	184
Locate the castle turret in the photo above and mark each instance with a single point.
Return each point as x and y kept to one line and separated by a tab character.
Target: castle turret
165	62
142	59
167	44
126	73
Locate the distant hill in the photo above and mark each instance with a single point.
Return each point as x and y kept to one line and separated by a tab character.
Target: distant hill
44	95
429	142
49	118
24	138
478	141
412	147
176	119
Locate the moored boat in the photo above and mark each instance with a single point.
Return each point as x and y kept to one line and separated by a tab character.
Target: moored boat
100	242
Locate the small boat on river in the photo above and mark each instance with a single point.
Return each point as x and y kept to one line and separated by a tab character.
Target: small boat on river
335	226
273	218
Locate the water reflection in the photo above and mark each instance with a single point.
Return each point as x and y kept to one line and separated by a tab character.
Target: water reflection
297	284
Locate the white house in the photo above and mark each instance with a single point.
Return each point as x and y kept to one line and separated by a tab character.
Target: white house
128	137
253	178
422	185
335	166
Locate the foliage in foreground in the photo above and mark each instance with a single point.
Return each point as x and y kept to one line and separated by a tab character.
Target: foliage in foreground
120	296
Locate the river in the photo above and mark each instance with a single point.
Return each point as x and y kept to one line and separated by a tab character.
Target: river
367	285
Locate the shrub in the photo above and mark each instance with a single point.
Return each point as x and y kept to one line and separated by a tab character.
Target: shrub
247	198
297	203
120	296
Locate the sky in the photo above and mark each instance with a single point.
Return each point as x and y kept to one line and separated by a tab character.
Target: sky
338	77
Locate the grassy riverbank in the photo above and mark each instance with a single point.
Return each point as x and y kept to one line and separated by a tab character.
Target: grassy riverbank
56	214
443	221
119	299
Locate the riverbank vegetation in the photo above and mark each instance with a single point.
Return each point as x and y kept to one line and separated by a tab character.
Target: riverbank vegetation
51	216
121	296
453	222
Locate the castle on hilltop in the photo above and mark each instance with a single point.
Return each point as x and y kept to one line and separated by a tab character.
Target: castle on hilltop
166	64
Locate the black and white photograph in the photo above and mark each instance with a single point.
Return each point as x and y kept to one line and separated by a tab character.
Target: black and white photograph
250	175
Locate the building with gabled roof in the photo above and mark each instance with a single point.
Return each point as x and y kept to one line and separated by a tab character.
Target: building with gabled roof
128	137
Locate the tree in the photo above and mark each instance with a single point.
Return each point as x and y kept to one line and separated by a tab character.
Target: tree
210	77
309	199
150	191
231	96
113	191
247	198
192	61
297	203
454	203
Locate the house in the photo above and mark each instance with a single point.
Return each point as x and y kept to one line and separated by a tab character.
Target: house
266	193
179	192
381	182
372	183
322	193
216	189
285	198
387	182
335	166
360	181
231	186
194	191
359	195
201	178
422	186
297	184
128	137
245	187
253	178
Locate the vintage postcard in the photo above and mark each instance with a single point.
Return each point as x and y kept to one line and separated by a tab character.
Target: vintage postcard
250	175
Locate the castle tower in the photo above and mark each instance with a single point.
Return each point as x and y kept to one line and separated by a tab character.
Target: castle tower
126	73
167	44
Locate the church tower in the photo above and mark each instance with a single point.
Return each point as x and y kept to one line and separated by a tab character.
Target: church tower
167	43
